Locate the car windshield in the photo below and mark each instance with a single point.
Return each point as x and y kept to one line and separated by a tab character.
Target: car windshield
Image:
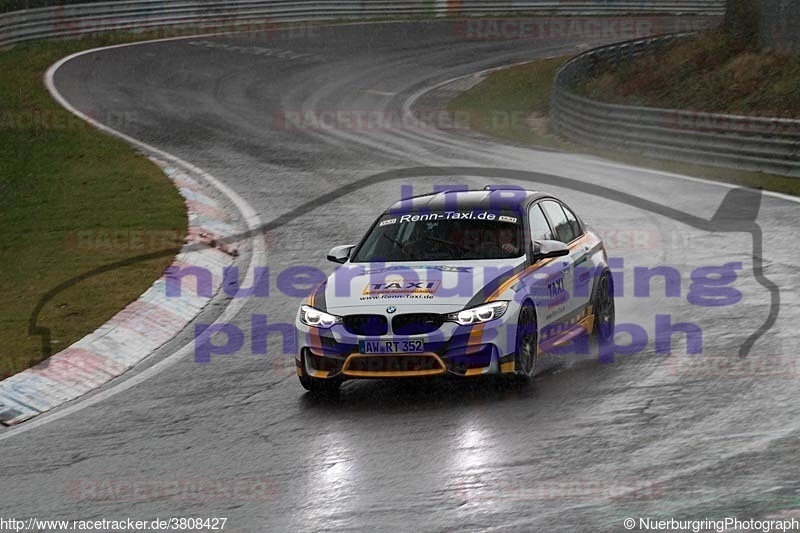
443	235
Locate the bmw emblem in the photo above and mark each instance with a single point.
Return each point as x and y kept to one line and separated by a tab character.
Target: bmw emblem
391	309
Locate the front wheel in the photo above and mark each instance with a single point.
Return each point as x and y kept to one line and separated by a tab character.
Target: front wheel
527	342
603	304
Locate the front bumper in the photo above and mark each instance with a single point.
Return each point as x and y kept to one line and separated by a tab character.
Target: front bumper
455	350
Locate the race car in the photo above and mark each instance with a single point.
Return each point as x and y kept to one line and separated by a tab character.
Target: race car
458	283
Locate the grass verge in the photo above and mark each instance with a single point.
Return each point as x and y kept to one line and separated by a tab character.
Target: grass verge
709	72
71	199
513	104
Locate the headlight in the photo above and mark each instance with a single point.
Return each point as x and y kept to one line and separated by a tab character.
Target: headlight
478	315
316	318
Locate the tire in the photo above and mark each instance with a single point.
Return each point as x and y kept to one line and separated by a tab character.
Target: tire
603	307
527	342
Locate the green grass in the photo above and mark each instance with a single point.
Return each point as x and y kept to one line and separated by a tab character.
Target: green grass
64	188
707	72
523	91
512	103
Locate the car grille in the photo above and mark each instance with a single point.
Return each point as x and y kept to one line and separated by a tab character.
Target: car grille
393	365
366	324
416	323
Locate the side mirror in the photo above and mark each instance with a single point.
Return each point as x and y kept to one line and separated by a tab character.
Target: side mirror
547	249
340	254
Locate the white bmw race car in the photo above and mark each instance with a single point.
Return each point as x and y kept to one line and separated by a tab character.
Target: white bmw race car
460	283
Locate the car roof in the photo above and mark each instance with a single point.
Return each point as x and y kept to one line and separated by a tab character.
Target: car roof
494	198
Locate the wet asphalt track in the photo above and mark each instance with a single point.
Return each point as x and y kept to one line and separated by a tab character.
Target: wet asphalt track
580	449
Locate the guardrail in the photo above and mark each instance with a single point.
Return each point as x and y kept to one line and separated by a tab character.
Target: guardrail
102	17
755	143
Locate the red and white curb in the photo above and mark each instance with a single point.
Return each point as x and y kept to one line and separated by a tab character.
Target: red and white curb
140	328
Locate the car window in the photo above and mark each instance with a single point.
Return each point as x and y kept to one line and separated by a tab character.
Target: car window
559	221
445	235
540	229
577	231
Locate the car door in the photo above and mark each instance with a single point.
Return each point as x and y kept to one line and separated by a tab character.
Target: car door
579	252
553	301
565	304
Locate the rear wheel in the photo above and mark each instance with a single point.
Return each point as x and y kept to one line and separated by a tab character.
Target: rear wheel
603	304
527	342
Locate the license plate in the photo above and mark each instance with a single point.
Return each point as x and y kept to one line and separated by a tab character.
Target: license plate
392	346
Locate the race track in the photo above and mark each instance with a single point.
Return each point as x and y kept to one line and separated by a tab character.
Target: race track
585	446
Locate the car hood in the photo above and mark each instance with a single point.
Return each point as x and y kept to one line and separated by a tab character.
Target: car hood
450	285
